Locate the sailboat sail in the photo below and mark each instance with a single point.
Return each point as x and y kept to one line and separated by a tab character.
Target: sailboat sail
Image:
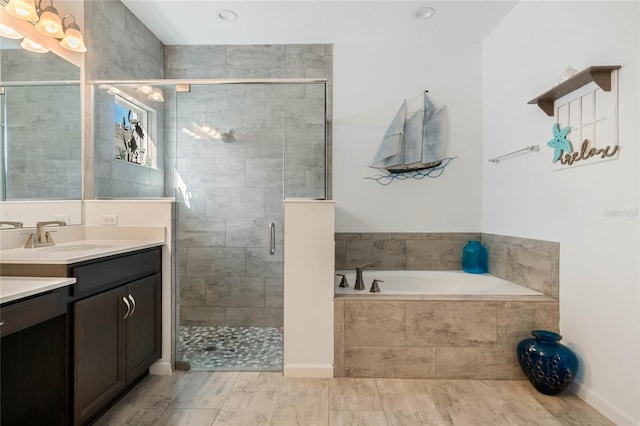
416	142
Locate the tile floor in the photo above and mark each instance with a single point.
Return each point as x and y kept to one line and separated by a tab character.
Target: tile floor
266	398
231	348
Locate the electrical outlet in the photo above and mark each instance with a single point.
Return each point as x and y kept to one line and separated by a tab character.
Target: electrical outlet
109	220
62	217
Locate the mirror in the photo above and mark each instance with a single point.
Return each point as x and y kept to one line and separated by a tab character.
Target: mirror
40	129
130	139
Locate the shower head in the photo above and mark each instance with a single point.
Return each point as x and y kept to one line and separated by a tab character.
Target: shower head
227	137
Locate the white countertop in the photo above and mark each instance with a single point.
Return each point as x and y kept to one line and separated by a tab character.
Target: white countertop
14	288
75	251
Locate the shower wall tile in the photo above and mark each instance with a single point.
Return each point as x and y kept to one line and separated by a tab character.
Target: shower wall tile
255	143
264	173
204	173
265	56
255	317
305	56
202	316
273	202
236	203
307	142
206	262
210	56
202	232
192	291
252	232
273	292
236	292
261	264
303	112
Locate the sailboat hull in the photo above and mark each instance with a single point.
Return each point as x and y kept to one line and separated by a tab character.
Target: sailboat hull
413	167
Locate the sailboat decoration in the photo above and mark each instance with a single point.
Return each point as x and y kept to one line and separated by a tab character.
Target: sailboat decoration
415	143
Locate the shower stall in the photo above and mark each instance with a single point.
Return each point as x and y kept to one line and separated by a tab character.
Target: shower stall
241	150
230	152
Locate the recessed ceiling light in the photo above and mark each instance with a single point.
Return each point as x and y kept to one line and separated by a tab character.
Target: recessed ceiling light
227	15
424	12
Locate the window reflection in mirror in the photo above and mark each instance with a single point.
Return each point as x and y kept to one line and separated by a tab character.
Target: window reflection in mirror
129	139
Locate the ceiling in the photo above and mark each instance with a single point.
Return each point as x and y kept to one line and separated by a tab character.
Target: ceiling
307	21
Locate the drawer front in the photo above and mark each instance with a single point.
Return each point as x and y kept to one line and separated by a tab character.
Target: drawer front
25	313
106	274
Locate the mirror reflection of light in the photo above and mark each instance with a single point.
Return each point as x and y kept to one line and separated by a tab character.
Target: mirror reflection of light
181	186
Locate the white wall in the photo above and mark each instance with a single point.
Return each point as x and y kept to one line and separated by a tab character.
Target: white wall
370	83
599	298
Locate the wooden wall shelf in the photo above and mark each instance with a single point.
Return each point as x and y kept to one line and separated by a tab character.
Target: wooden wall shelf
601	75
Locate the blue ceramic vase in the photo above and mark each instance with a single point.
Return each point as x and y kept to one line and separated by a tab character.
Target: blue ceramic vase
550	366
474	258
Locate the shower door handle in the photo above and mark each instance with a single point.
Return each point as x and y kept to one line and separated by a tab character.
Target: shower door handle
272	238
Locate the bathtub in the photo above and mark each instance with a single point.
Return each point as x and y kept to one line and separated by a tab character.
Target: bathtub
405	282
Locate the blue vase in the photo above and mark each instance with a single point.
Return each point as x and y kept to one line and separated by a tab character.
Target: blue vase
550	366
474	258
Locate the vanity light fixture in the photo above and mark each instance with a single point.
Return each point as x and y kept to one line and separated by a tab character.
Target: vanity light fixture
72	39
8	32
22	9
49	23
424	13
32	46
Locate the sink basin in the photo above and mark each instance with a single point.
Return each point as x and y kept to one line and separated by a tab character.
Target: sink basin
77	247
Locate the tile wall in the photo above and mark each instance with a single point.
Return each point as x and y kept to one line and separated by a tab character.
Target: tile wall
119	47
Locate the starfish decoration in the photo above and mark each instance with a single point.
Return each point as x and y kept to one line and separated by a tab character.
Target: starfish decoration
559	142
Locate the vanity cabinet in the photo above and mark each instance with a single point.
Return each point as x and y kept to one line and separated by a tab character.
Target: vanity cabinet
116	328
33	350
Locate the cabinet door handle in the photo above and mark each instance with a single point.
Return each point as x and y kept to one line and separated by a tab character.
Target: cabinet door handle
126	302
133	306
1	323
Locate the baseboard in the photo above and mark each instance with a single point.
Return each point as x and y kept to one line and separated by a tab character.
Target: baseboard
161	368
311	371
603	406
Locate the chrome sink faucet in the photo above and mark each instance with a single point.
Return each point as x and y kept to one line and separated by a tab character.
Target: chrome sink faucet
359	282
42	238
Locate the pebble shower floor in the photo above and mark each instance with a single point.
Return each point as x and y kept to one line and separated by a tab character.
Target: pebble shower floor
231	348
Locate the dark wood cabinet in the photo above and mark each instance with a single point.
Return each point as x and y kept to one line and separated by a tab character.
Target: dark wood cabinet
98	352
33	363
116	329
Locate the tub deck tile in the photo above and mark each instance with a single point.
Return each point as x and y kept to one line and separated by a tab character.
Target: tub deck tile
467	323
389	361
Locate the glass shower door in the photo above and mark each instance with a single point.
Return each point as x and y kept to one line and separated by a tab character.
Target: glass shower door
241	149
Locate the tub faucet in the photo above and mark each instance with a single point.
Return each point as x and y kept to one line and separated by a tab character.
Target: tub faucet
359	282
42	238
